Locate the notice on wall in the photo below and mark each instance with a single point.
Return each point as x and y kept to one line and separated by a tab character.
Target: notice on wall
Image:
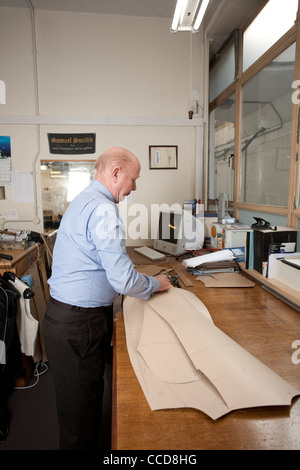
72	144
22	186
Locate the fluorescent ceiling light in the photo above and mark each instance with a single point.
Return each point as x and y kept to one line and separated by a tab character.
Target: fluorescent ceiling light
188	15
177	14
201	14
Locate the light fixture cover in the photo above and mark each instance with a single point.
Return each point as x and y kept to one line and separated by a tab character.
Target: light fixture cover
188	15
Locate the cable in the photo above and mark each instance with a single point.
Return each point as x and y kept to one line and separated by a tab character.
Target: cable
37	374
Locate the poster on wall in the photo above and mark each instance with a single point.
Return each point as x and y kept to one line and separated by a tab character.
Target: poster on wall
72	144
5	160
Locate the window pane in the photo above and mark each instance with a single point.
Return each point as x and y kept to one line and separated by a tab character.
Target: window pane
266	133
222	73
275	19
222	130
61	181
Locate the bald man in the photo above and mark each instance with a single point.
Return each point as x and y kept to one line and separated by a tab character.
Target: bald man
90	269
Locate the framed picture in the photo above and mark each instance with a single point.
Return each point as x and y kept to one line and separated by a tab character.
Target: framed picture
163	157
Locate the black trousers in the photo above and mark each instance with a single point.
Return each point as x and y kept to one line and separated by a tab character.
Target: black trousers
75	341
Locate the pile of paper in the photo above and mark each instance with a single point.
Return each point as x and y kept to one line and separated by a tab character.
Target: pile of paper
223	255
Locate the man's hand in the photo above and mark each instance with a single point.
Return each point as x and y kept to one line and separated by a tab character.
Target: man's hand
164	282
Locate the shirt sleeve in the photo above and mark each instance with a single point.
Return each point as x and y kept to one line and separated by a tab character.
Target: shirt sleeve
108	235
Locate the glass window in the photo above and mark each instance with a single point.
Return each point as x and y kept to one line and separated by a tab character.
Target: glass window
275	19
222	134
61	182
266	133
222	73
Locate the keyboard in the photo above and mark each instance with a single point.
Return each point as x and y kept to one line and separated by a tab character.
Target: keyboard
149	253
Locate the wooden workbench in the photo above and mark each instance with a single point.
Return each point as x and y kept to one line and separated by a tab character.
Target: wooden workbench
261	323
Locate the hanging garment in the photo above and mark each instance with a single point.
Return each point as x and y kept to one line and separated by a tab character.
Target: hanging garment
10	363
9	297
27	325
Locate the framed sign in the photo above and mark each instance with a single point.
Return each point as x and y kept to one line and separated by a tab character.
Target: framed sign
163	157
72	144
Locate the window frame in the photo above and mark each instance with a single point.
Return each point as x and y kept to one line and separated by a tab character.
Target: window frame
292	210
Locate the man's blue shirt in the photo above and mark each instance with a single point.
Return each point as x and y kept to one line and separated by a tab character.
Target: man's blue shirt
90	264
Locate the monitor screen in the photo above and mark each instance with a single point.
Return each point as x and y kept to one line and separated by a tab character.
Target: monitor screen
177	232
169	227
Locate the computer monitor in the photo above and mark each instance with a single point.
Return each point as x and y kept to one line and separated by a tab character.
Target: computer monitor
178	231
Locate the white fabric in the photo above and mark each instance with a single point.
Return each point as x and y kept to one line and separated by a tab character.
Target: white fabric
27	325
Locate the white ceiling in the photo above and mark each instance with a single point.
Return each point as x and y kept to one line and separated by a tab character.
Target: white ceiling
227	14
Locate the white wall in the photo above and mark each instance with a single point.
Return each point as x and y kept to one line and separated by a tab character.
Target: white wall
126	79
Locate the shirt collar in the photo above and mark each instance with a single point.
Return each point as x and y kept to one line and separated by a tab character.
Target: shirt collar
103	189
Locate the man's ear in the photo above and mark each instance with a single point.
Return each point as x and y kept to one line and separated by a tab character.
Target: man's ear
115	174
